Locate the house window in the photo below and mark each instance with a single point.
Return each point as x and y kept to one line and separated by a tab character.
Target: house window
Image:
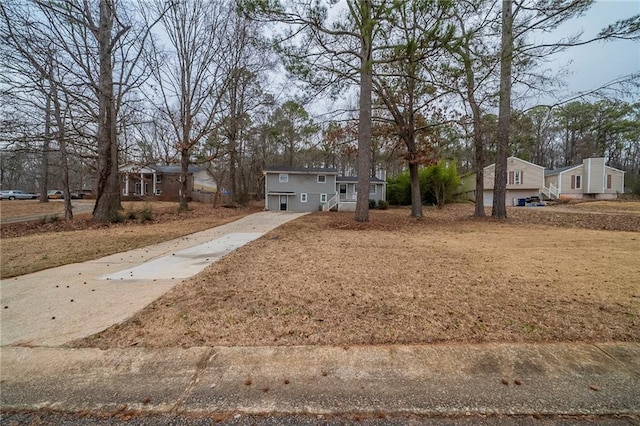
576	181
158	178
283	178
608	181
322	179
515	177
303	197
158	191
323	198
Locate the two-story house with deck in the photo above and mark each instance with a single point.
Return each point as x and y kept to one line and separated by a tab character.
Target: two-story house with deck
305	189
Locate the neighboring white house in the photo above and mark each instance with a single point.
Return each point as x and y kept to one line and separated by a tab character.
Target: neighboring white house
303	189
592	179
524	180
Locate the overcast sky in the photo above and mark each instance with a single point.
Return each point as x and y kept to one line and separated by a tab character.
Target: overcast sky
595	64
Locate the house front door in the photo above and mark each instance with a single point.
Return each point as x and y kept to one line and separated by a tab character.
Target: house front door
283	203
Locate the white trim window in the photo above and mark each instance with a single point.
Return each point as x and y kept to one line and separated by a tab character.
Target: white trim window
576	181
303	197
283	177
322	178
323	198
518	177
515	177
158	178
158	191
372	189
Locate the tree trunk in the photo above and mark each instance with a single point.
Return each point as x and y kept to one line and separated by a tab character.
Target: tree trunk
62	143
44	179
184	177
416	197
364	118
108	191
504	114
478	143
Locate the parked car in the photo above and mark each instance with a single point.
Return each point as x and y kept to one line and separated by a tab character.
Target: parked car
14	194
55	194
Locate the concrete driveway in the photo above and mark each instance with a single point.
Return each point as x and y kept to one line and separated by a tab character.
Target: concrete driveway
55	306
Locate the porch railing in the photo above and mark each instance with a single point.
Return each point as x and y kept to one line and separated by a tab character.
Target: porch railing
550	192
331	203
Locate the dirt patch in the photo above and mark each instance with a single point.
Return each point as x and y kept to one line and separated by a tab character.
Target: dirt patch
323	279
34	246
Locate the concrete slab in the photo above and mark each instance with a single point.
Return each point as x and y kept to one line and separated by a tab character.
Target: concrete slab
185	263
53	307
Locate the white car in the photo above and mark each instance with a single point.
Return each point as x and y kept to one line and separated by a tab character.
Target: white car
14	194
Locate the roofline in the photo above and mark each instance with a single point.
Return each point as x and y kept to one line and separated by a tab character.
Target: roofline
519	159
551	173
319	170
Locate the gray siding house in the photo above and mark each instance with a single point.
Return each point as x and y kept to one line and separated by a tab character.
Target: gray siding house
303	189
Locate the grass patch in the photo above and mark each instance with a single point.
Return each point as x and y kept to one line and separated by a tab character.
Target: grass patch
325	280
33	247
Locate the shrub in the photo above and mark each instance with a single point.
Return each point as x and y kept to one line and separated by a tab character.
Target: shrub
372	204
440	180
399	189
50	219
382	204
437	184
116	217
146	214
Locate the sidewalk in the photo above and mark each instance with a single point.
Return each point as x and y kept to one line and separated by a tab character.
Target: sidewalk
55	306
507	379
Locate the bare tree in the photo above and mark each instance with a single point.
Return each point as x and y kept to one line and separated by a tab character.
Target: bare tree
190	74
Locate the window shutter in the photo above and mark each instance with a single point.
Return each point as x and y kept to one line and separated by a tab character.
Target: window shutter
510	181
573	181
522	177
608	181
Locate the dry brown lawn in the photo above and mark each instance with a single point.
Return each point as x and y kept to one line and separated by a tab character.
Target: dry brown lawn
31	247
323	279
16	208
631	207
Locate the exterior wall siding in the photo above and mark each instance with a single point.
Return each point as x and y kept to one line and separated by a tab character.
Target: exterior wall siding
532	175
297	184
511	196
594	176
617	181
380	193
565	183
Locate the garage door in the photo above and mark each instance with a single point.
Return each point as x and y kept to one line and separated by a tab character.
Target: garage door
488	198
